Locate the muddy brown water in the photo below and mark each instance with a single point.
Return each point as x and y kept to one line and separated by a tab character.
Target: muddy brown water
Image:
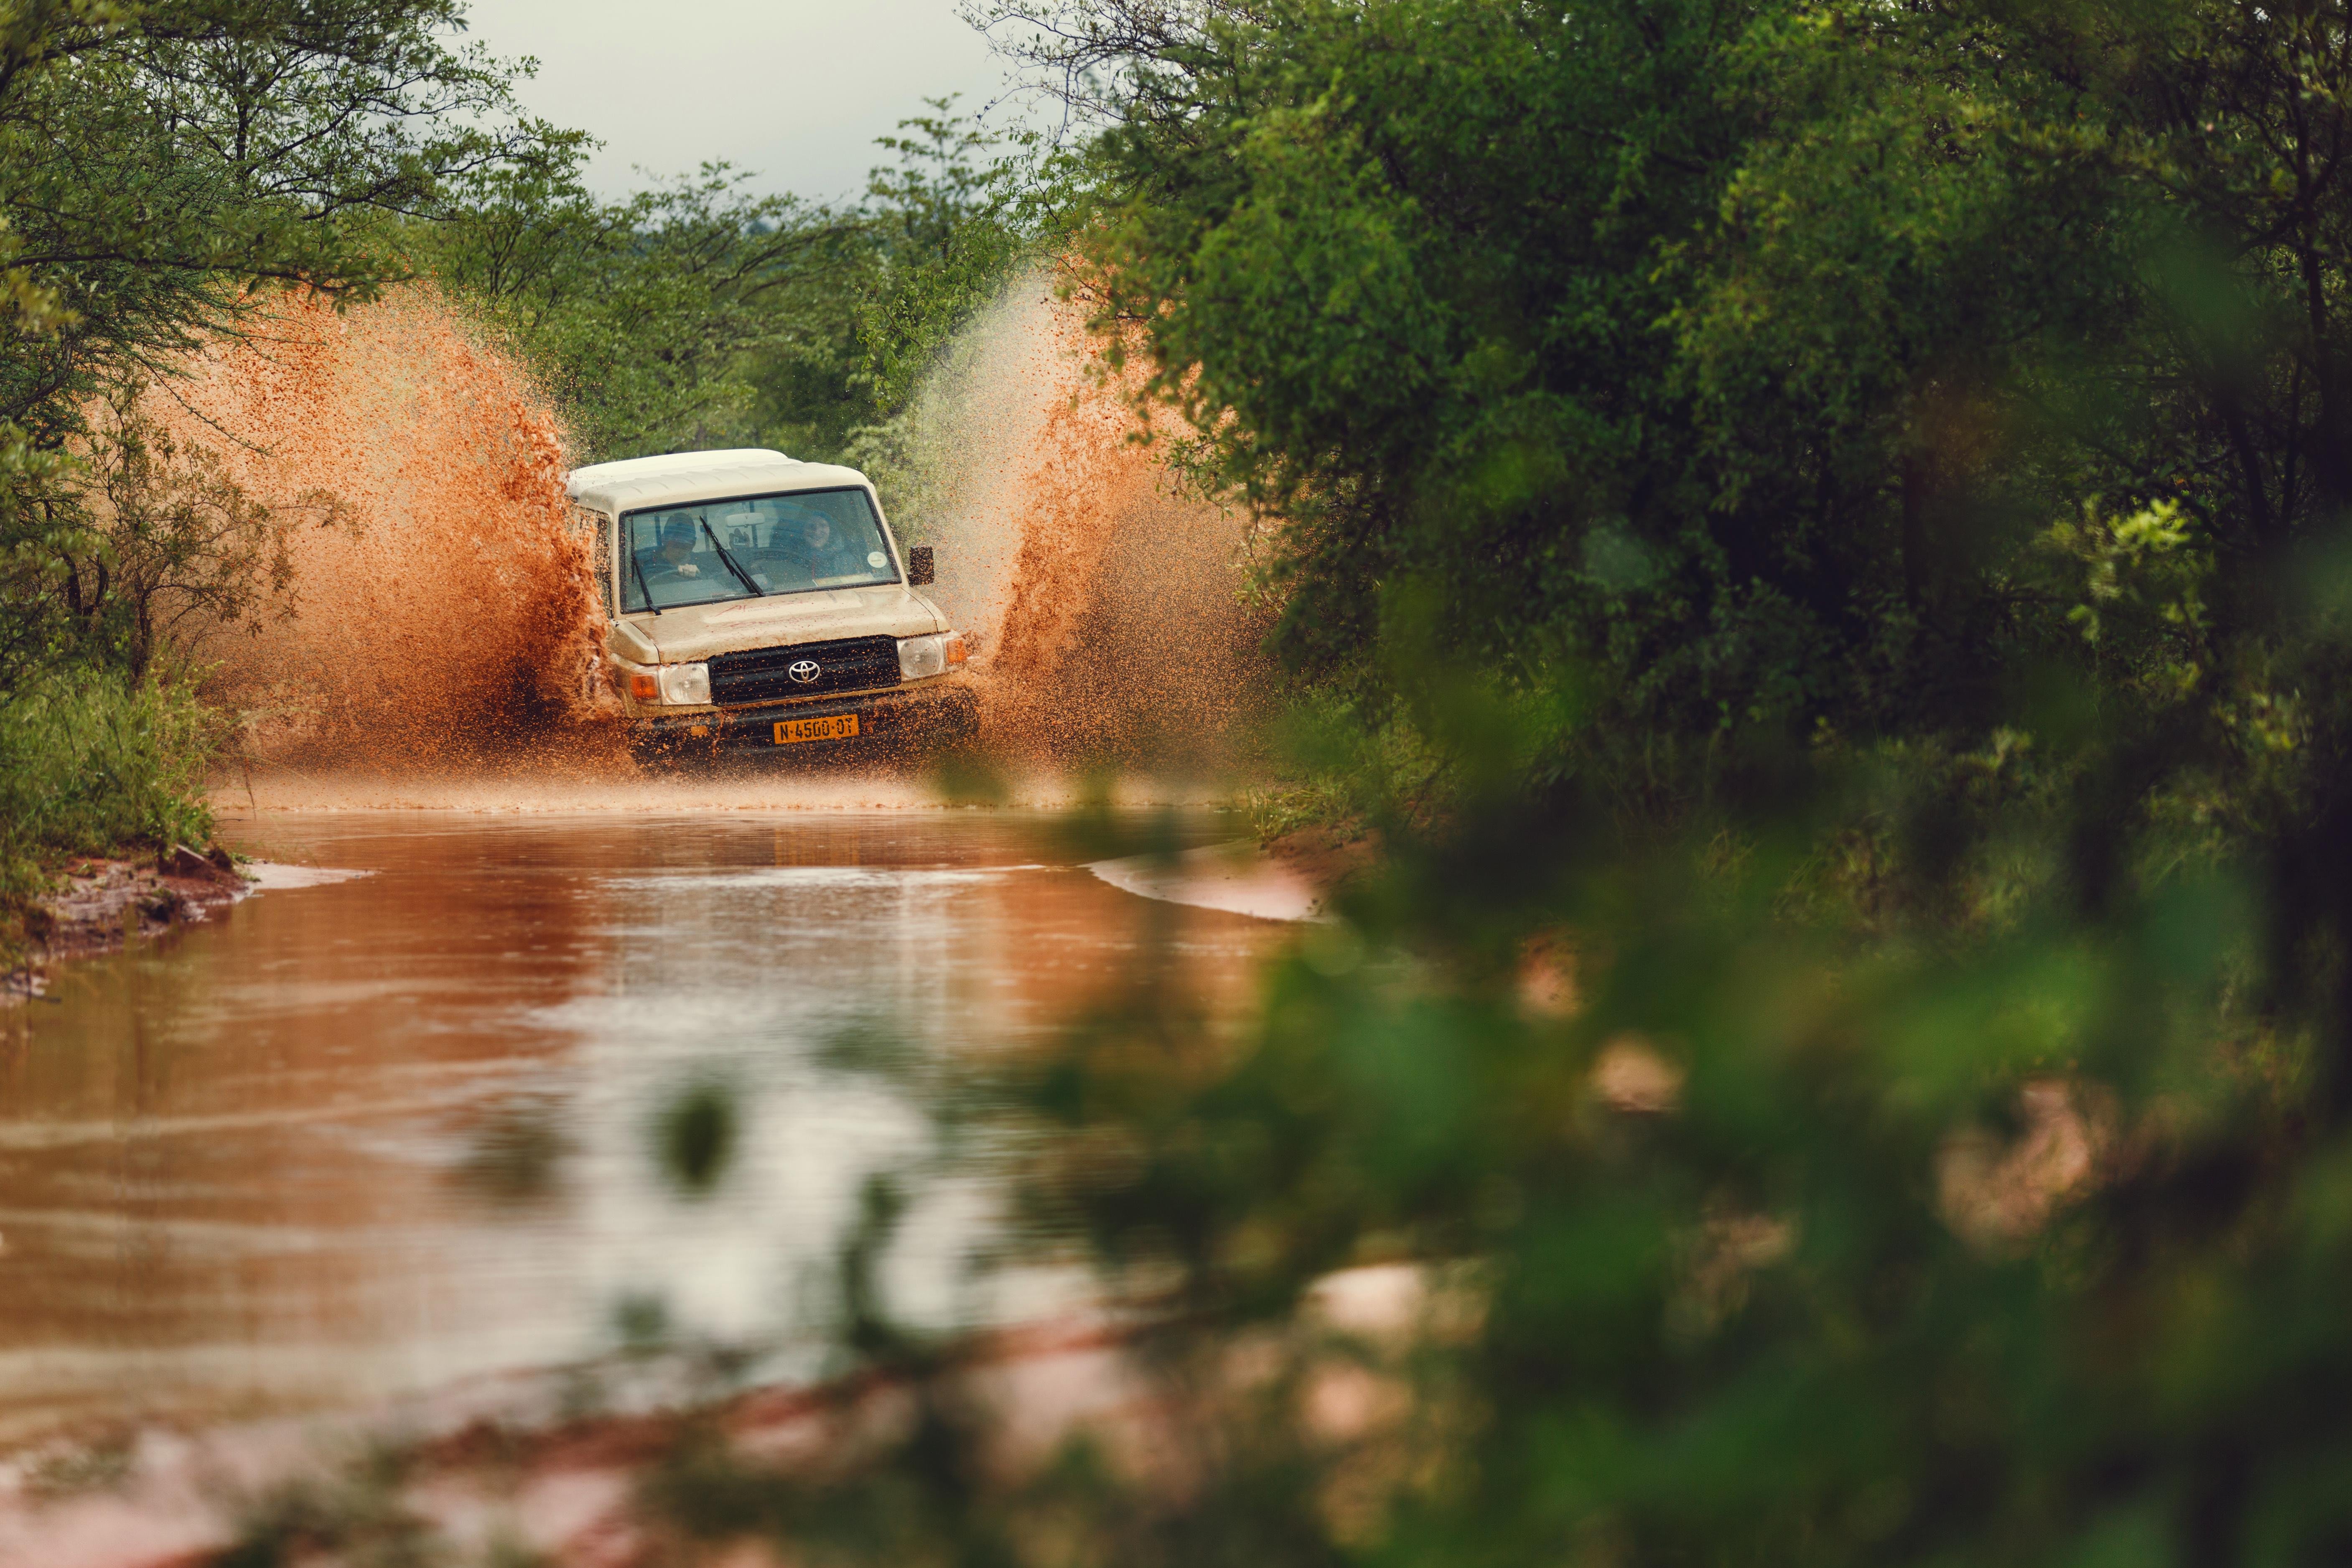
355	1141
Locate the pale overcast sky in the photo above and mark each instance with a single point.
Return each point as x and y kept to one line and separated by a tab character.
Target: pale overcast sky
794	88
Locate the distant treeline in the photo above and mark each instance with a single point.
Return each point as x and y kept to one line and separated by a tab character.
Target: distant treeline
700	313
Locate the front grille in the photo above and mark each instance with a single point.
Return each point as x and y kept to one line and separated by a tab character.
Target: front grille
764	674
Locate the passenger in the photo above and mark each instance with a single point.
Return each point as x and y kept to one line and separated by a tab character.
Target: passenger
826	554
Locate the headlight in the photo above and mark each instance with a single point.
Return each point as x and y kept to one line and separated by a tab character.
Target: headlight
686	685
675	684
921	656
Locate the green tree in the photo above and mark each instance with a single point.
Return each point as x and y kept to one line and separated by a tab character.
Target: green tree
164	166
1852	1037
1750	346
170	551
699	313
950	222
646	314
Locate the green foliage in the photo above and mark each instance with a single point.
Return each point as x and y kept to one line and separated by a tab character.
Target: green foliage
164	167
39	526
696	313
696	1135
90	760
359	1517
645	315
951	226
1819	529
1747	1257
1747	351
1721	1229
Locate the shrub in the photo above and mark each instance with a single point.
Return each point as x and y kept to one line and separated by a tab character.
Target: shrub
92	763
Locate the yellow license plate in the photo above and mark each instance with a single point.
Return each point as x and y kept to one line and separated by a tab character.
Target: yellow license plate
840	727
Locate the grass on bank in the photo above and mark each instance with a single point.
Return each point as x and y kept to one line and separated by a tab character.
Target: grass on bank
92	763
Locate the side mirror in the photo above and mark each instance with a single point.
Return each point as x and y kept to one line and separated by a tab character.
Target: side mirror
919	566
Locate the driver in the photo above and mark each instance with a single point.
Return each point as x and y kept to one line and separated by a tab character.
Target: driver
674	558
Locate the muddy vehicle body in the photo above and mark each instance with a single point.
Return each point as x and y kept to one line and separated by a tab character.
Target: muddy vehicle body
757	601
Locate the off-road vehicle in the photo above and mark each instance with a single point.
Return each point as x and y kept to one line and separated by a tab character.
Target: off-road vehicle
757	600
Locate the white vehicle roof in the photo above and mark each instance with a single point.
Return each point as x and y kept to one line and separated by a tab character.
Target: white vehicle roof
681	477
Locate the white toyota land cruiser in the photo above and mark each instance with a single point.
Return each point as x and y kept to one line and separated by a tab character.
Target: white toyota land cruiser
758	601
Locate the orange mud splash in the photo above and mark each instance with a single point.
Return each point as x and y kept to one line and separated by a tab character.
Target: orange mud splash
450	637
455	616
1107	604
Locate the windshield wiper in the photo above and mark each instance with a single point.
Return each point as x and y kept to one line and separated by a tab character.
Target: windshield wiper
733	565
637	570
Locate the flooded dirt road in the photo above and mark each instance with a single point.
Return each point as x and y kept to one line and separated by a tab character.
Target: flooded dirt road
361	1140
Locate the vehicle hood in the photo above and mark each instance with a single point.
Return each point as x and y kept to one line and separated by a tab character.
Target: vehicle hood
889	609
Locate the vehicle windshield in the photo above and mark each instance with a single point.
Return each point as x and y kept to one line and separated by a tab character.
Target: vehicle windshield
751	546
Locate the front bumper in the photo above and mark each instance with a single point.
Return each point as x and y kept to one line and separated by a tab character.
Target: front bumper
924	715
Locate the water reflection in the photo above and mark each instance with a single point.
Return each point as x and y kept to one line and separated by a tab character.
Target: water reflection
370	1138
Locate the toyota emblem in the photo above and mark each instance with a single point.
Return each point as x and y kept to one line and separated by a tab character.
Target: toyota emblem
803	670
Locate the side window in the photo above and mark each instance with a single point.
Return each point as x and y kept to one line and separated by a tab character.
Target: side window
599	529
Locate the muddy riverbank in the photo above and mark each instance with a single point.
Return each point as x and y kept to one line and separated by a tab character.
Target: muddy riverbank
104	904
